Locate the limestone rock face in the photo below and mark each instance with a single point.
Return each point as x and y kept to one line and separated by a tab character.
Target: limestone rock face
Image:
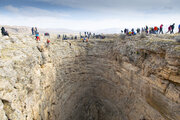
111	79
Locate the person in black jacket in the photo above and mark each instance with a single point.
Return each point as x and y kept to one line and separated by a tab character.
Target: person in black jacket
172	28
4	32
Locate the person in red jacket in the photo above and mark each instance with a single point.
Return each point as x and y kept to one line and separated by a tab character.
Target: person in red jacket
37	36
161	29
169	29
47	43
156	29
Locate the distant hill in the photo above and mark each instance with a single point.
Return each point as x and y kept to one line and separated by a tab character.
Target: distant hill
16	29
27	30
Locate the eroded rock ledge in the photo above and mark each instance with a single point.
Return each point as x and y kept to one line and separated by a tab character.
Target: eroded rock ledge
109	79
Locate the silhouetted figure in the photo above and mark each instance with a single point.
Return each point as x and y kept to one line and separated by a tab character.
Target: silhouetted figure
146	29
4	32
125	31
33	31
161	29
138	30
172	28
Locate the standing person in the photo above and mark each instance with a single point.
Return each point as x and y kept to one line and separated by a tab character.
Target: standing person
146	29
35	30
179	28
138	30
32	30
3	30
37	36
172	27
142	29
88	35
125	31
132	30
161	29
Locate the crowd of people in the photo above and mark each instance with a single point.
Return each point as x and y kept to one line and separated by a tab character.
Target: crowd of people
87	35
90	35
151	30
36	33
84	37
65	37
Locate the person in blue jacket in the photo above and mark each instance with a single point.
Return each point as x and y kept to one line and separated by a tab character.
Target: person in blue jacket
32	29
179	28
37	36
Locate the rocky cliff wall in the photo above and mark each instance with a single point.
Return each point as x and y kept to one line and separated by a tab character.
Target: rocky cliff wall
111	79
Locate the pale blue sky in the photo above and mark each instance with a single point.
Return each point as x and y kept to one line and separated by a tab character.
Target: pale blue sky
89	14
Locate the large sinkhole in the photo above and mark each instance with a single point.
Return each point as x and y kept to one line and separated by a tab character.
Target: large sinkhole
93	85
88	88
